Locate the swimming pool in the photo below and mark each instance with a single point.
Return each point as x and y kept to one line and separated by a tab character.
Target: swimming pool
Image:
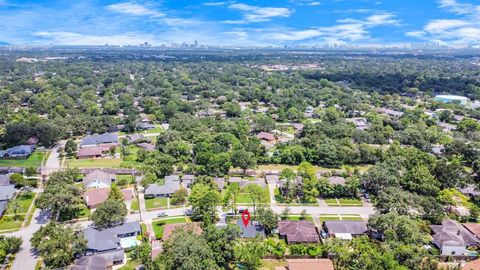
129	242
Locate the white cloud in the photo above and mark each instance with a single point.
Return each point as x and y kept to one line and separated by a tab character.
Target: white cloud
134	9
382	19
252	14
459	32
216	4
314	4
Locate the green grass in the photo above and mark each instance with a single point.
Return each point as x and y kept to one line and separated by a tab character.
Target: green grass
25	200
297	217
135	206
130	265
8	222
156	203
340	217
279	167
271	264
159	225
34	160
344	202
244	198
119	178
144	228
84	212
95	163
280	200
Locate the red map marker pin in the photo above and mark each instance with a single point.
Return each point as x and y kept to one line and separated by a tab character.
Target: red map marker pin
245	217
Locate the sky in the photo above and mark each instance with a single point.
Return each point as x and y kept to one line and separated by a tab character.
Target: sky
240	22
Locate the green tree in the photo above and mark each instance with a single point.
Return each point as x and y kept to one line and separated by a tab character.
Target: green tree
243	159
204	201
58	244
249	253
222	241
257	194
180	196
70	148
267	218
231	195
15	207
185	250
110	213
115	193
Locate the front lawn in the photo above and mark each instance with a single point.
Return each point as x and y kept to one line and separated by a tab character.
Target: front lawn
156	203
25	200
34	160
298	217
159	225
281	200
135	205
8	222
244	198
327	217
95	163
343	202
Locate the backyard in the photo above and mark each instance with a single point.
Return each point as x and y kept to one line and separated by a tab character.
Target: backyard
95	163
25	200
34	160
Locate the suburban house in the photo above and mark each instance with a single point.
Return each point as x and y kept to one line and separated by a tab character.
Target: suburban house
389	112
110	243
453	239
345	229
172	184
20	151
220	181
473	228
447	127
92	152
6	194
169	229
105	139
146	146
94	262
307	264
145	126
337	180
301	231
136	138
252	230
96	196
187	180
98	179
359	122
267	137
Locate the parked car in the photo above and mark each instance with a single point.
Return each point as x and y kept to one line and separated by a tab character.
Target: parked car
188	212
162	214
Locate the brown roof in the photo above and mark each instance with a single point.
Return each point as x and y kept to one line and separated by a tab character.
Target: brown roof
266	136
473	265
298	231
310	264
93	197
91	151
473	228
168	229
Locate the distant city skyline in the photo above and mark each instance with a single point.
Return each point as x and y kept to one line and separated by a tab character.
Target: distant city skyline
243	23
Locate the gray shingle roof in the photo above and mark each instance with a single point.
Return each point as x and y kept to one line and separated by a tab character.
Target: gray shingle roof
167	189
451	233
99	176
346	226
107	239
251	231
99	139
7	192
